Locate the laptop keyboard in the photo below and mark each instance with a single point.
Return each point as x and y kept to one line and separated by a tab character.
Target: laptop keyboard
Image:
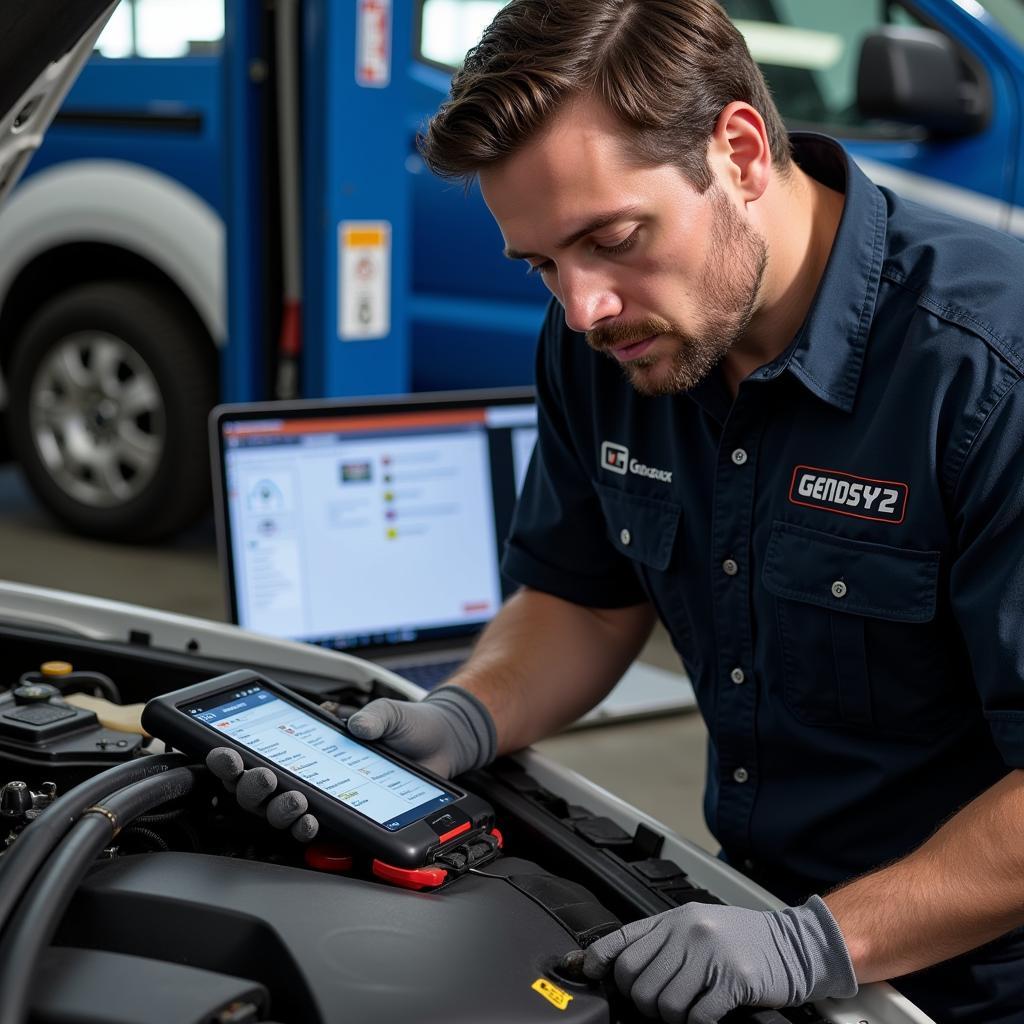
430	675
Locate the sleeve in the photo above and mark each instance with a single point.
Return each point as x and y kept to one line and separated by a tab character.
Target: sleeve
987	575
559	541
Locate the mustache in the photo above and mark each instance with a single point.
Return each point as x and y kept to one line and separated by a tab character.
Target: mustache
601	339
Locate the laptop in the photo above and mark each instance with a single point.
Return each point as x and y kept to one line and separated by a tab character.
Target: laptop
376	525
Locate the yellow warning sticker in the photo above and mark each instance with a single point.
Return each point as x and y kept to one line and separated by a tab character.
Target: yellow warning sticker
363	238
364	279
552	993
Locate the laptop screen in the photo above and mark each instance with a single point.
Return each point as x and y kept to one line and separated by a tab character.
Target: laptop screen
371	522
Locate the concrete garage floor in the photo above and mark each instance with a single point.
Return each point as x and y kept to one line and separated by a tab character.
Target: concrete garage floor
655	764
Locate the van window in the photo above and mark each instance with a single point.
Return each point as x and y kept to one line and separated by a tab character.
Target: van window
809	50
448	28
163	29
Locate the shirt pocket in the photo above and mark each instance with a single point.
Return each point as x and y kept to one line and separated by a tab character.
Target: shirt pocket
856	625
645	531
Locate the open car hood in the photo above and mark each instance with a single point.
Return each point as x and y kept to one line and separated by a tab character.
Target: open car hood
219	921
43	45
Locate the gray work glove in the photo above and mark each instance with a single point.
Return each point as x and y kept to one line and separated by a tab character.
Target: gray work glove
449	732
252	788
696	963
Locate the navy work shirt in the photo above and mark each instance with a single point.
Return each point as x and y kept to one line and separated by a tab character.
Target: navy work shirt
838	554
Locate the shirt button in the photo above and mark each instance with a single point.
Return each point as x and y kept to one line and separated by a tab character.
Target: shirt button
741	775
729	567
839	589
737	675
626	537
739	456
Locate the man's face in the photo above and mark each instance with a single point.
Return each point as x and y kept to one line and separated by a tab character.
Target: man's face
659	277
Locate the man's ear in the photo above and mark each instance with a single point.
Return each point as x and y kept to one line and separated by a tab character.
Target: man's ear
738	152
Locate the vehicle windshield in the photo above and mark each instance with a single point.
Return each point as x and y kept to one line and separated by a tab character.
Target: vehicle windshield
1009	14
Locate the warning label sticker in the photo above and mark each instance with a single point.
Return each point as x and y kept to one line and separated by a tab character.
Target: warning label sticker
373	43
364	279
552	993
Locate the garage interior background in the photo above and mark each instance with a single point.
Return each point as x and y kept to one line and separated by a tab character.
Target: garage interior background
810	52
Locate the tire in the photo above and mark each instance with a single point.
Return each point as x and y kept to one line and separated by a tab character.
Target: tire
111	384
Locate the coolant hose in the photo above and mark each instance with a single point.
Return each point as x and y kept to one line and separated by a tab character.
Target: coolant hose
20	863
38	915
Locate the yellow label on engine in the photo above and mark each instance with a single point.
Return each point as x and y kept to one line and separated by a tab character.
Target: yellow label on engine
552	993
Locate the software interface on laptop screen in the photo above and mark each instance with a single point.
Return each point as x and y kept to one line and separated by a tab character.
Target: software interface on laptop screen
378	527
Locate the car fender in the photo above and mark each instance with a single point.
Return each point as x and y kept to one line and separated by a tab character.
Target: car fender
122	204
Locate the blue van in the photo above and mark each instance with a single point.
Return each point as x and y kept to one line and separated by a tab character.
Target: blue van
144	247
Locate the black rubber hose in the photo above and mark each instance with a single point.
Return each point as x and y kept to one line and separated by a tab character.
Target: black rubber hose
89	682
77	682
37	917
20	863
159	819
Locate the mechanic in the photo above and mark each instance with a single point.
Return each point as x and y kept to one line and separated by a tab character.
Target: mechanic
781	410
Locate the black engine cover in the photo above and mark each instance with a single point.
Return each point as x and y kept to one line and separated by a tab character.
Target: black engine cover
331	948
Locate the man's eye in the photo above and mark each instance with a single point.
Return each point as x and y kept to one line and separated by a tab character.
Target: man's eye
624	246
539	268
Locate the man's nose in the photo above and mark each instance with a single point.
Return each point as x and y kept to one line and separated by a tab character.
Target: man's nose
587	298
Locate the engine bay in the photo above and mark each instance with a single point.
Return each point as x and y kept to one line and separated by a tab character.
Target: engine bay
189	909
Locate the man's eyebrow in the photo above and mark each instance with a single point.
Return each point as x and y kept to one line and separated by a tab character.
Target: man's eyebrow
600	221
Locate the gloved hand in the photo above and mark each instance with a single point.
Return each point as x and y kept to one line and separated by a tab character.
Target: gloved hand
448	732
696	963
253	786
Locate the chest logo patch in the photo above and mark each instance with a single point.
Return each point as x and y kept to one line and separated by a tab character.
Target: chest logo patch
831	490
615	458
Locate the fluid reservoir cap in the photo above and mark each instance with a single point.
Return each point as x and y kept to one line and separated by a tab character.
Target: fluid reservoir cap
34	693
15	800
55	668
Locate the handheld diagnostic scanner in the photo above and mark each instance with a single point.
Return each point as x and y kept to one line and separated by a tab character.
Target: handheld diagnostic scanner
390	809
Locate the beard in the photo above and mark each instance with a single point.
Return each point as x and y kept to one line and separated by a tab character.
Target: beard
728	287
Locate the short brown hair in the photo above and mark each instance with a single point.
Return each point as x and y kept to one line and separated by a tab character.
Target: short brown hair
665	68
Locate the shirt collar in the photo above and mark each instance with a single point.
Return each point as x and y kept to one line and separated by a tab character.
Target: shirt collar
827	354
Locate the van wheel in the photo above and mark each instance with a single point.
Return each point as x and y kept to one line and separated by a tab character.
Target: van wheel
110	386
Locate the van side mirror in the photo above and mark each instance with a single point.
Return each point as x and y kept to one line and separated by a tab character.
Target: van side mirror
916	76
